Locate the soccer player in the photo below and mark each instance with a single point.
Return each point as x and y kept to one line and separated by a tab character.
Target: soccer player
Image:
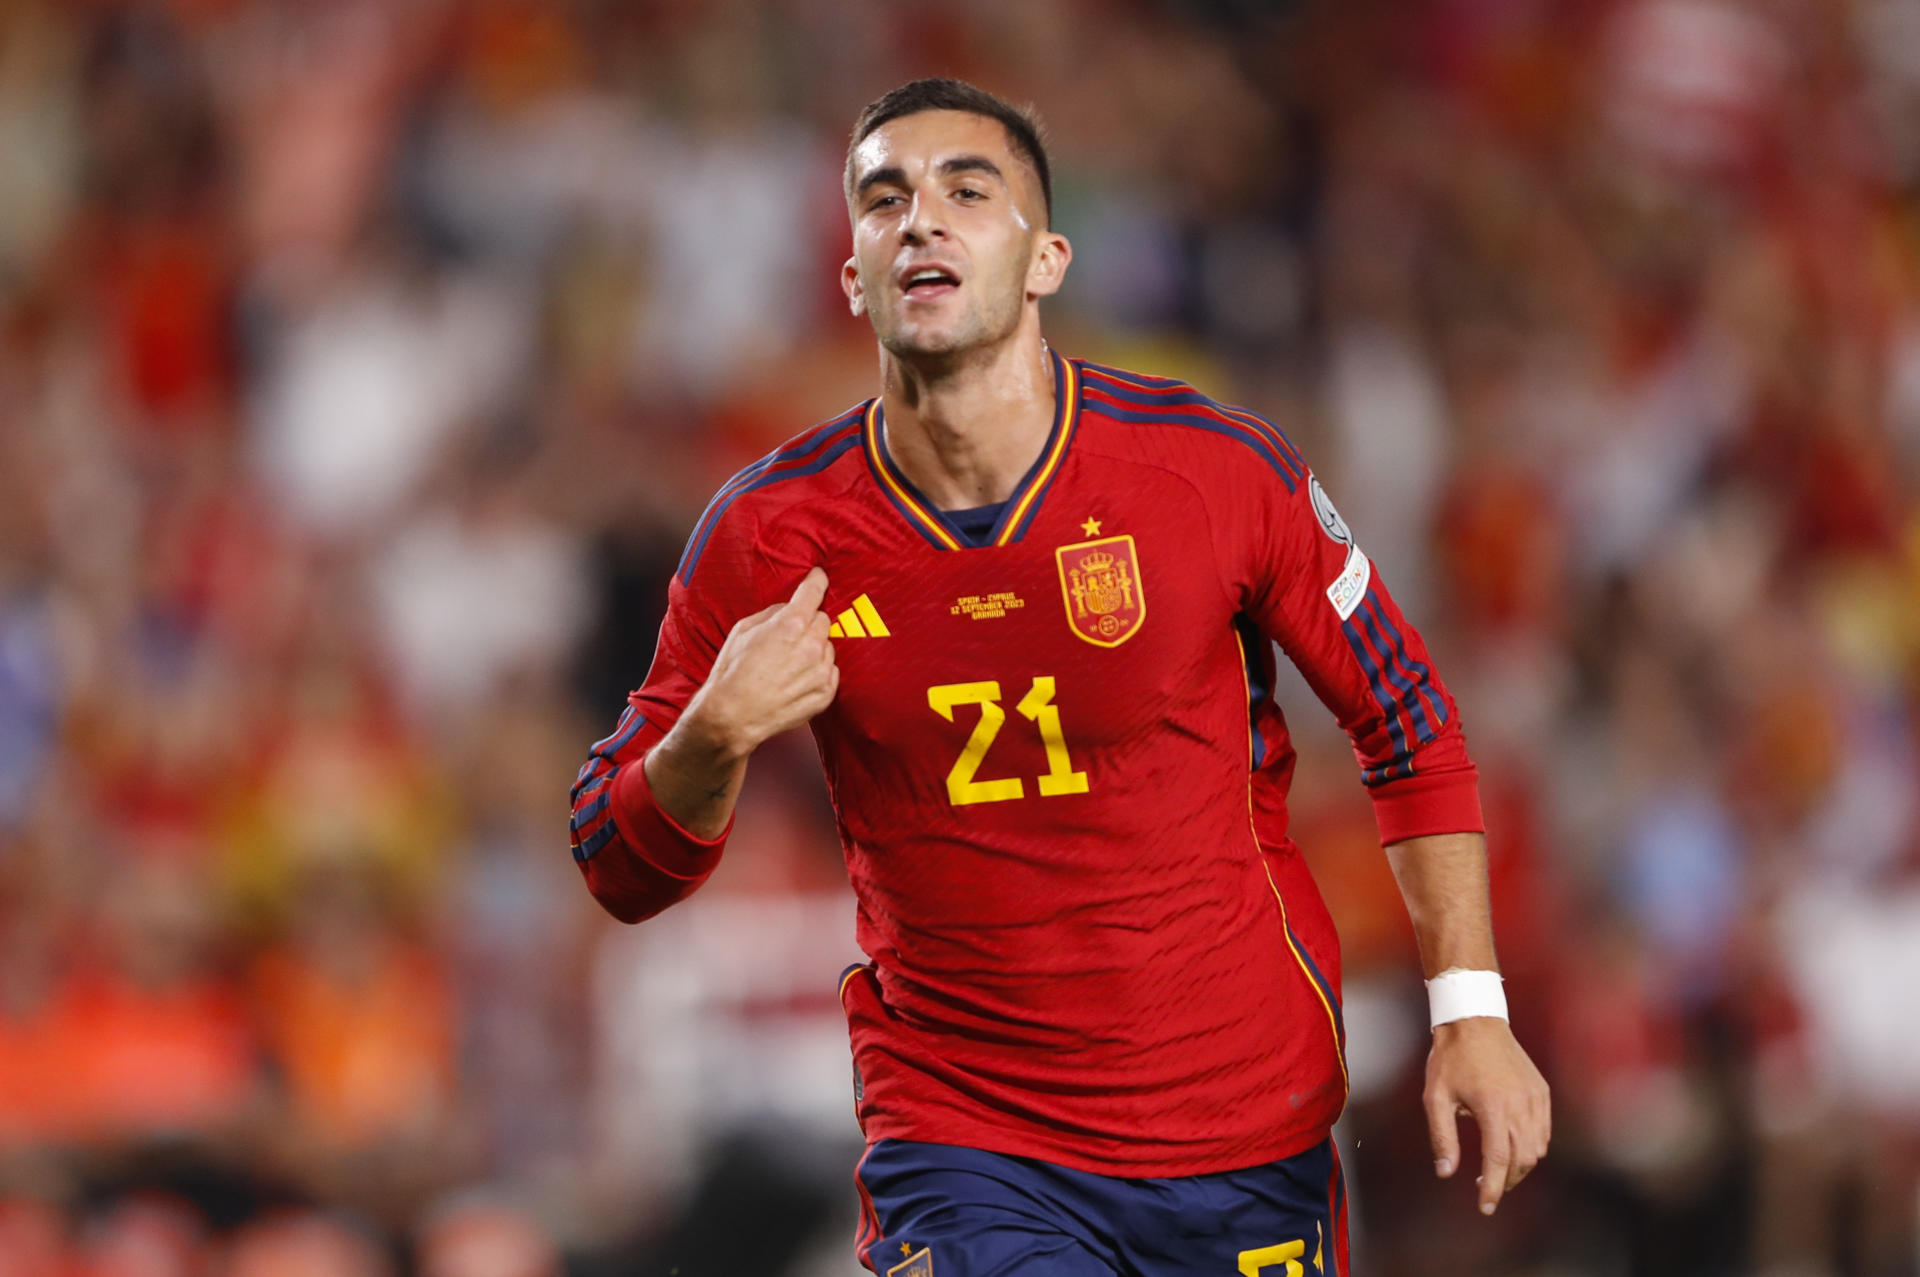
1027	605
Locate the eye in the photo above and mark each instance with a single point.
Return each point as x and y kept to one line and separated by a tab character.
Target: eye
968	193
883	201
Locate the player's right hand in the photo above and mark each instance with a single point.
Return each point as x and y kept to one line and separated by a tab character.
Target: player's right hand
774	672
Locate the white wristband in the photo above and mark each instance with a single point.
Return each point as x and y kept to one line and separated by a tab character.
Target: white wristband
1458	994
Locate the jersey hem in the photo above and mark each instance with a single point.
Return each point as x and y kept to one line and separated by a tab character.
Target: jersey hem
991	1139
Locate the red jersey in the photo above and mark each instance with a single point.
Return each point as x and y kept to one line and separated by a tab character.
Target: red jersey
1058	776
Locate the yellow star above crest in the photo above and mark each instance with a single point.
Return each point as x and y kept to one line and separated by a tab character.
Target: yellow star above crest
1091	527
906	1248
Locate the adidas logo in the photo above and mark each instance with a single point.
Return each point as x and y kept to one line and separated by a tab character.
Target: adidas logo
859	621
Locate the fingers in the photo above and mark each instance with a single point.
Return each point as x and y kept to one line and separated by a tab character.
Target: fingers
826	664
1443	1127
1528	1144
777	667
804	607
761	617
1512	1146
829	688
1532	1130
808	594
1531	1136
816	667
1497	1162
1480	1070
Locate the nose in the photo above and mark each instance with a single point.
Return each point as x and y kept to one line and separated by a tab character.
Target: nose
923	221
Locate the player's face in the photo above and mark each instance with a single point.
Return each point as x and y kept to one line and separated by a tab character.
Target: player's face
949	234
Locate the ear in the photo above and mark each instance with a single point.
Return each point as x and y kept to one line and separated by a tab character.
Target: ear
850	285
1048	269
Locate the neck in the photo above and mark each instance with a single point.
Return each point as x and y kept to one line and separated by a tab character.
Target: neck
966	428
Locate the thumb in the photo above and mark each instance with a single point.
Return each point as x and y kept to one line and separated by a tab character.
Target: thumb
807	595
1443	1126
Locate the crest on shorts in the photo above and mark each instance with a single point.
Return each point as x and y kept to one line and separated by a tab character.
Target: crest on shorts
918	1264
1100	584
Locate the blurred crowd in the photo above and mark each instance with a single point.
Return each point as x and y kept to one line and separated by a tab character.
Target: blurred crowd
362	365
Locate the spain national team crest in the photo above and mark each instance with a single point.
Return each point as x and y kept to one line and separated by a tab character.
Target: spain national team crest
1100	582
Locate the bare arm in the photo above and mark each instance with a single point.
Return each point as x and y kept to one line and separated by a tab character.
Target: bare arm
1476	1066
774	672
1443	879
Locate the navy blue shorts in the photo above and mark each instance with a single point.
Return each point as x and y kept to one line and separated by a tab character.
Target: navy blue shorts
935	1210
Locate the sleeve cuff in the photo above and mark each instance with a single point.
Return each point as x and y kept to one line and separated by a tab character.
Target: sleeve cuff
656	837
1418	806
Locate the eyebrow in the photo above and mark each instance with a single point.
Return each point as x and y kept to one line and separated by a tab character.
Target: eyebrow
970	164
894	175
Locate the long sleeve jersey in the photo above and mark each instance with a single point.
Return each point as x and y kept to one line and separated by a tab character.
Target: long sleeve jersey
1058	774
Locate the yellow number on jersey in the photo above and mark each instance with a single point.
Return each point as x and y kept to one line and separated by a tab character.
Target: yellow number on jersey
962	788
1037	704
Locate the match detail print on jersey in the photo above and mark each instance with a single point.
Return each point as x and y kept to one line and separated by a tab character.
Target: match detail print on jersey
1100	584
988	607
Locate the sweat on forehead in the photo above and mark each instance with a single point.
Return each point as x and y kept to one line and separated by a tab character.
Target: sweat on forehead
1021	126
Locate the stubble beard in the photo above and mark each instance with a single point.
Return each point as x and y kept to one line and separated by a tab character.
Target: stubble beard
989	317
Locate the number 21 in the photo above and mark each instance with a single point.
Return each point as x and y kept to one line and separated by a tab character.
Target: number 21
1037	704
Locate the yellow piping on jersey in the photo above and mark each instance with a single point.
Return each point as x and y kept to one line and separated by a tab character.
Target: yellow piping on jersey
1286	931
1022	503
1069	397
927	521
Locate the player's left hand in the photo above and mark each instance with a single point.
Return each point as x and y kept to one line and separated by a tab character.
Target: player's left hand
1477	1068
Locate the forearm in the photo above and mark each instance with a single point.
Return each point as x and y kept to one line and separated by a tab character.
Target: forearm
695	773
1443	879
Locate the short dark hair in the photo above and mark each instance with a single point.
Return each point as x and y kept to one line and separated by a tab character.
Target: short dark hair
940	94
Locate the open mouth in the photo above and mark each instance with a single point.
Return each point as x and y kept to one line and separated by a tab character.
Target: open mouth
929	282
